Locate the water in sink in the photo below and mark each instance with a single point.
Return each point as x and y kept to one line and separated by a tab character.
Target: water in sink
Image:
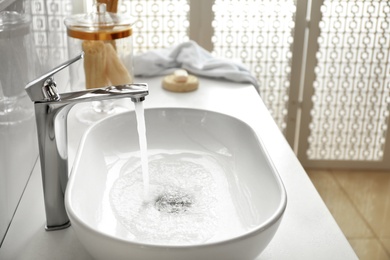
173	198
189	200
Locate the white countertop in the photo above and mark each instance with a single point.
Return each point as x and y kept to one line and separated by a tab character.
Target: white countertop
307	231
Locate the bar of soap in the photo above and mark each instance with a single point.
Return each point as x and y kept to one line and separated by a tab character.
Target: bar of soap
180	75
180	81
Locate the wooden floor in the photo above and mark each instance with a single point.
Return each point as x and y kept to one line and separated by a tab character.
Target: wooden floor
360	203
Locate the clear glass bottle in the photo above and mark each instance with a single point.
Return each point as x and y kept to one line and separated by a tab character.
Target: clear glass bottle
106	40
17	68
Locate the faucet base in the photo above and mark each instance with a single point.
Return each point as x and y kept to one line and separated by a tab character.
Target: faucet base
59	227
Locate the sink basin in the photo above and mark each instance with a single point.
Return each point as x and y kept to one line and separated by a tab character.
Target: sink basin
213	192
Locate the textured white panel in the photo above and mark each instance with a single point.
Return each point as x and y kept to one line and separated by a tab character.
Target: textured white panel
350	112
158	23
49	30
259	34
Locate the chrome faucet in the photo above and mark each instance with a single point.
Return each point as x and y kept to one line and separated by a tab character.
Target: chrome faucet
51	111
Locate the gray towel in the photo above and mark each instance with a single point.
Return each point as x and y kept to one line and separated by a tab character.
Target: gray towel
193	58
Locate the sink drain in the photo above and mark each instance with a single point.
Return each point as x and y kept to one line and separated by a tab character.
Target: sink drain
175	201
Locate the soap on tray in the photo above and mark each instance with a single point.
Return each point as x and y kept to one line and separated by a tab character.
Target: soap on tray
180	81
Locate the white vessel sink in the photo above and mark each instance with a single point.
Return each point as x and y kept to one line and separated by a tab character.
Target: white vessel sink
213	192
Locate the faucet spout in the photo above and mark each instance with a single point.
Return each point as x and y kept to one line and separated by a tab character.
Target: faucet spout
51	111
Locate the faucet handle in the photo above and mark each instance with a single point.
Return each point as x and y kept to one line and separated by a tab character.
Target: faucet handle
44	87
49	90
